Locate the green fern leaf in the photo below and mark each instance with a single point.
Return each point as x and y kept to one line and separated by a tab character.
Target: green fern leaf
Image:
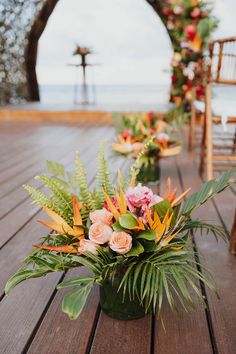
83	184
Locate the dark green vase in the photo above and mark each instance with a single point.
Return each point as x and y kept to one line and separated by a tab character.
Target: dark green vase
150	173
115	306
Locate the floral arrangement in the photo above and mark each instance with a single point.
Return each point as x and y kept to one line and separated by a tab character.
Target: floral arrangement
123	232
138	129
189	24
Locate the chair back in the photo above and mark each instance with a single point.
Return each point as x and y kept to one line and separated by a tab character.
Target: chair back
222	61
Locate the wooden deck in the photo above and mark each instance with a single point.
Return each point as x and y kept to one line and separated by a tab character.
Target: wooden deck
31	320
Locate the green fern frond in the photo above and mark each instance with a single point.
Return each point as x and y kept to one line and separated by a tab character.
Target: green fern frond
102	178
60	198
83	184
135	168
39	198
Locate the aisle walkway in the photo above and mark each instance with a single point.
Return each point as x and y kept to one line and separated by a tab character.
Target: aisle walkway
31	320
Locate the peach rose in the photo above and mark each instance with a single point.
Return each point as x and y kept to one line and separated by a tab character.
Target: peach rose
120	242
87	246
102	215
100	233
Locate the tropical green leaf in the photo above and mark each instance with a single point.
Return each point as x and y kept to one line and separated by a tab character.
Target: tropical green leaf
218	231
209	190
149	235
162	208
21	276
128	221
117	226
83	280
85	262
74	301
136	250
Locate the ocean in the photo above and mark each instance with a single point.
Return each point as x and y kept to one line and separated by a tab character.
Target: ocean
108	97
126	97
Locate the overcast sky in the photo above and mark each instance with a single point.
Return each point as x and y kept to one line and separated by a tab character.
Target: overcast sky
129	41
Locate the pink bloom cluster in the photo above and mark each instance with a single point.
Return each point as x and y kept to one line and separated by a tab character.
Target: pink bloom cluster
140	198
163	136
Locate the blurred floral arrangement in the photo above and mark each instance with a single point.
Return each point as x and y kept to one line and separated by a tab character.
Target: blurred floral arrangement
135	243
189	24
138	129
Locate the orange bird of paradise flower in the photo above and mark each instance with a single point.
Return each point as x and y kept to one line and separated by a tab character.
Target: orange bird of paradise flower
62	227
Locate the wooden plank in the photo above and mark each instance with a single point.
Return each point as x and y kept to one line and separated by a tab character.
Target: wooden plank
79	333
20	312
25	211
30	151
233	237
27	317
124	337
23	138
52	153
127	337
58	334
17	195
220	262
37	155
21	244
185	329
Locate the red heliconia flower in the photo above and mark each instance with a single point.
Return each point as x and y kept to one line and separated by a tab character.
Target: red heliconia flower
126	133
190	31
114	202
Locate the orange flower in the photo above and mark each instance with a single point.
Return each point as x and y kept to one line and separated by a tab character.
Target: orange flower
61	226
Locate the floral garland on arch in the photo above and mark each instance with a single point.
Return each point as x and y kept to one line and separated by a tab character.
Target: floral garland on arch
121	231
189	24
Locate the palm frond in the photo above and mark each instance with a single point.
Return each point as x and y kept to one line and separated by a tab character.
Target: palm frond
218	231
208	191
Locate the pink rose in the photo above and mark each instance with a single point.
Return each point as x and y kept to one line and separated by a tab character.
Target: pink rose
120	242
100	233
87	246
141	197
102	215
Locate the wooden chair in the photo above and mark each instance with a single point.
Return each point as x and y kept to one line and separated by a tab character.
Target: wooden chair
221	69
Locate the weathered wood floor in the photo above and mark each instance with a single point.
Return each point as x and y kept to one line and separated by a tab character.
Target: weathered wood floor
31	320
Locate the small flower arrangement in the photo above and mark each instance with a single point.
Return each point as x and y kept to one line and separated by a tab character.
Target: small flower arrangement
140	128
136	244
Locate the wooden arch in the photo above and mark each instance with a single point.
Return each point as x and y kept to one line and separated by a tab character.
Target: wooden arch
34	36
23	21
